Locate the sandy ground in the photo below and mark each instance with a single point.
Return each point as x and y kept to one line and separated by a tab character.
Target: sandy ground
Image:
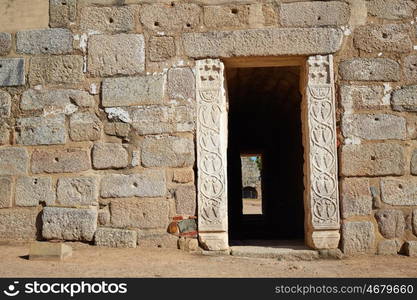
91	261
252	206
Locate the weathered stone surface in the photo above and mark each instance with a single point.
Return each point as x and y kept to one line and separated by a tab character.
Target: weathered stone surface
104	216
414	162
226	16
45	130
414	225
358	237
216	241
187	226
396	191
161	48
167	151
74	191
117	238
60	161
387	247
405	99
188	244
44	41
5	43
13	161
356	197
383	38
64	69
262	42
181	84
314	13
146	183
45	251
23	14
117	129
363	97
140	213
109	155
31	191
6	186
84	126
411	248
157	239
370	69
185	200
4	134
57	100
183	175
12	71
135	158
391	9
5	104
72	224
108	19
167	18
18	223
391	223
116	54
376	159
62	12
374	126
127	91
410	68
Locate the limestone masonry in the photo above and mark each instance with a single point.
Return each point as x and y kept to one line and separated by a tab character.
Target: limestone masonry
113	120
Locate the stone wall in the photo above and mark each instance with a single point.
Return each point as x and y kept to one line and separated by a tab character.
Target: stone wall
251	175
98	115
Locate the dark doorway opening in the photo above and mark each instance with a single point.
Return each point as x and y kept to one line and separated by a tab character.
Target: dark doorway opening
265	118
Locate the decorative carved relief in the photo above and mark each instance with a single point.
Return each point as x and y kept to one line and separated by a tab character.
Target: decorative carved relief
211	145
322	143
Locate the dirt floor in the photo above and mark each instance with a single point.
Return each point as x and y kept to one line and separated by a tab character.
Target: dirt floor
252	206
91	261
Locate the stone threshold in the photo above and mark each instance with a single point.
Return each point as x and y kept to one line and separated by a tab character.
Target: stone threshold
287	254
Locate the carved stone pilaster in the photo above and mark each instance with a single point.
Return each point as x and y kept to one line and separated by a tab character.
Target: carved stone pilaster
323	196
212	152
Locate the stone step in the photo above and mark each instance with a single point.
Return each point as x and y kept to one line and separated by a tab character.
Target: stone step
276	253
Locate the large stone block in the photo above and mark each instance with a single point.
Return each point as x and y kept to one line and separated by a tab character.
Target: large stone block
75	191
388	247
226	16
12	71
109	155
146	183
140	213
62	13
128	91
60	161
161	48
13	161
22	14
374	126
19	223
314	13
185	200
414	225
376	159
391	223
117	129
405	99
355	197
183	175
45	130
181	84
108	19
117	238
66	69
121	54
4	134
31	191
5	43
262	42
57	100
370	69
157	238
84	126
44	41
167	18
358	238
411	248
383	38
391	9
413	162
363	97
72	224
167	151
6	187
5	104
410	69
397	191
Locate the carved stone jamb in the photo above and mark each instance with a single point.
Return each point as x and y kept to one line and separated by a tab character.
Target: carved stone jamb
321	200
212	154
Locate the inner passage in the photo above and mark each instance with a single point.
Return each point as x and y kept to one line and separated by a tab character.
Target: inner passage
265	130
